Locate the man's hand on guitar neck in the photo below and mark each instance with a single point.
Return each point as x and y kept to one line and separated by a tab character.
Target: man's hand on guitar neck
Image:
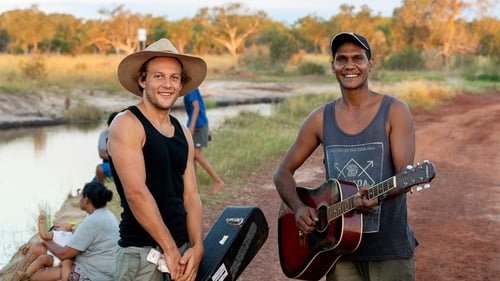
362	203
306	218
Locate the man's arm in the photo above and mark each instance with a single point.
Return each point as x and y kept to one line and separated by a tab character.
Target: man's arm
194	115
192	202
308	139
402	138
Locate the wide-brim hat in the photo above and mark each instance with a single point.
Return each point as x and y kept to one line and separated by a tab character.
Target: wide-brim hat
128	69
344	37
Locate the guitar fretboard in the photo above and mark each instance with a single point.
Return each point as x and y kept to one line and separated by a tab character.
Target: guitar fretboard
347	205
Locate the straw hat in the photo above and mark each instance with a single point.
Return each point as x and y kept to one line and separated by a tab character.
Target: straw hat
128	69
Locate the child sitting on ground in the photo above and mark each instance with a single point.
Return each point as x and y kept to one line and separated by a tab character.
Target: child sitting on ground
39	257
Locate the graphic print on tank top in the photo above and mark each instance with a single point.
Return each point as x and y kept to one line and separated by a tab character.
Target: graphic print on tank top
361	164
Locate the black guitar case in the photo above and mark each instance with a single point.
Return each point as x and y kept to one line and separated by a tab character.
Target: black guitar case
232	242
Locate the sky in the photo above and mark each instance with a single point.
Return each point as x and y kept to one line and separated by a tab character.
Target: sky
287	11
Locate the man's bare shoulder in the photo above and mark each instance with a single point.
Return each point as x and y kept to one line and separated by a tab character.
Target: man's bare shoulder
399	106
126	128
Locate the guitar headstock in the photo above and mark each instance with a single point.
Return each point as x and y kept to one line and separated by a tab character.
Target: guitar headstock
415	175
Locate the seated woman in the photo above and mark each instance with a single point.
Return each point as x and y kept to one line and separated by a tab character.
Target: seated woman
94	243
38	256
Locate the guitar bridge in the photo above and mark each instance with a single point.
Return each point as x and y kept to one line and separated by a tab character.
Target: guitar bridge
302	238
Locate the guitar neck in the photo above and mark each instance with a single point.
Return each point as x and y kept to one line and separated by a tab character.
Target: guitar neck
347	205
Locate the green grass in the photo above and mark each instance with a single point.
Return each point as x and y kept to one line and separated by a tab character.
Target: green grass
246	143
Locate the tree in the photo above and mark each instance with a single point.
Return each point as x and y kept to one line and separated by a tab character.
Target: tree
315	30
120	30
93	37
362	22
436	27
180	33
489	37
64	31
232	25
26	28
4	40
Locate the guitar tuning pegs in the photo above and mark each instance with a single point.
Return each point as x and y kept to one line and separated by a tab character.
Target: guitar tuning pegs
419	188
409	167
427	185
426	161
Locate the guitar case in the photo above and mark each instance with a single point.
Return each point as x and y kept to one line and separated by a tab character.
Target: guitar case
232	242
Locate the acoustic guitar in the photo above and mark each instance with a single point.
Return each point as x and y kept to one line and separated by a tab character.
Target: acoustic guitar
339	229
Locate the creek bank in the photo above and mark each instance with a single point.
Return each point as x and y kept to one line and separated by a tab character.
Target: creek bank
47	107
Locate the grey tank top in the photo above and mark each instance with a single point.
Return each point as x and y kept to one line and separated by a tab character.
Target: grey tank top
365	158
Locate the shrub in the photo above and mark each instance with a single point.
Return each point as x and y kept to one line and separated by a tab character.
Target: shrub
282	48
311	68
407	59
82	113
477	68
34	68
255	58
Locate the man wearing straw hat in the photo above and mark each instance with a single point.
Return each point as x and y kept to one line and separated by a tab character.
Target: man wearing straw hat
152	162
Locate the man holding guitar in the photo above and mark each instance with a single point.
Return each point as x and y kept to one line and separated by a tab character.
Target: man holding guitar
367	137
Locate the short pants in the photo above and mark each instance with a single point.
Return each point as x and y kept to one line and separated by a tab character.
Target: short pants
132	264
77	274
106	168
201	137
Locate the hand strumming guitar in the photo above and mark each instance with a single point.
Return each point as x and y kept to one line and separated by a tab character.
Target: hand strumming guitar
306	218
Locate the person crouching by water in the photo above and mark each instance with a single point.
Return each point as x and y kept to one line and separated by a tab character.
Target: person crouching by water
93	245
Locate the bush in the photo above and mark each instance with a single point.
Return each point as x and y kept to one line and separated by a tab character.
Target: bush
311	68
282	48
405	60
34	68
255	58
477	68
488	77
81	113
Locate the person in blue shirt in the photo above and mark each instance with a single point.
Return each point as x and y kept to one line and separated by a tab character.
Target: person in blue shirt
198	126
102	170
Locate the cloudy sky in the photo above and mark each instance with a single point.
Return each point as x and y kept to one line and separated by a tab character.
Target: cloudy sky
280	10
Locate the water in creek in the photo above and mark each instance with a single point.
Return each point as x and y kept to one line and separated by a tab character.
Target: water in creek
41	166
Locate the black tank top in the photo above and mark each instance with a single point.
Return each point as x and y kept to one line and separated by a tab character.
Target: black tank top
165	161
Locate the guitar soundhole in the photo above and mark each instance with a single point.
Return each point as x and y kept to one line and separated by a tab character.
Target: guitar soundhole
319	239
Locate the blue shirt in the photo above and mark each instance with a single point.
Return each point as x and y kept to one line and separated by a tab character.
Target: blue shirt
195	95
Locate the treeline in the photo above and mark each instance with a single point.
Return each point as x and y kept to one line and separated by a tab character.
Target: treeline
420	34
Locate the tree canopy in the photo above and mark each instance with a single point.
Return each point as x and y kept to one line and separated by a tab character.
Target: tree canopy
435	29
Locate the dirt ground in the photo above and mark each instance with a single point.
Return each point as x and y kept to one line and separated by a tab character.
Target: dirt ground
456	221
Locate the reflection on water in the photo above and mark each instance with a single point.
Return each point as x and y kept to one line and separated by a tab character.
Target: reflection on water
41	166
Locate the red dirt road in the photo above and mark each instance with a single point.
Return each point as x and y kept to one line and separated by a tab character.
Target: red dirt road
456	221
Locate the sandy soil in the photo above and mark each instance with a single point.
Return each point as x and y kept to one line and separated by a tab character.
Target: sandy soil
456	221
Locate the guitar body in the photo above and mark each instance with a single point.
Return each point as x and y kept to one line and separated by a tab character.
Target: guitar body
339	229
311	256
